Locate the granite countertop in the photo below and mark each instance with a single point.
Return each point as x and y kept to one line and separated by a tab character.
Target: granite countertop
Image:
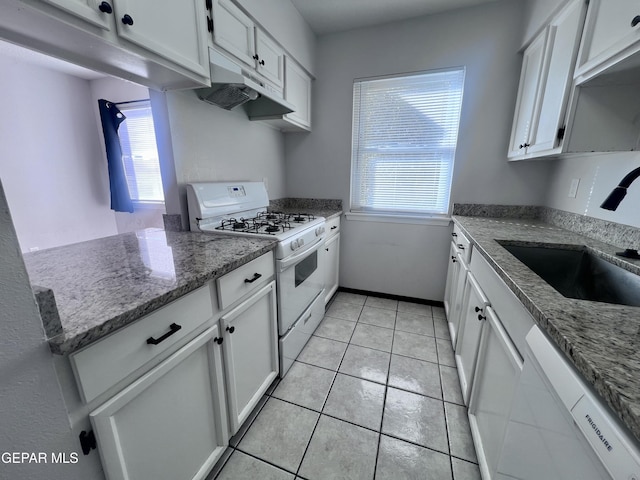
601	340
318	207
104	284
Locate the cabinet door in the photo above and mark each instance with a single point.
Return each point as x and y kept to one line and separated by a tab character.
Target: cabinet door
471	322
234	31
450	288
532	66
297	90
564	37
458	298
174	30
172	422
96	12
331	266
608	30
250	352
497	372
270	61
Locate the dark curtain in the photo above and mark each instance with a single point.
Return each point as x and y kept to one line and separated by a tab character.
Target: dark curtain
111	119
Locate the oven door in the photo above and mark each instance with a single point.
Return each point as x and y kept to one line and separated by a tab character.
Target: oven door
300	280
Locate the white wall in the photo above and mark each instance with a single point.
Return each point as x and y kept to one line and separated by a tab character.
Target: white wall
485	40
212	144
50	157
281	19
598	174
33	417
537	13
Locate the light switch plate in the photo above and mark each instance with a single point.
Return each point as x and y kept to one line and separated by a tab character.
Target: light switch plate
573	189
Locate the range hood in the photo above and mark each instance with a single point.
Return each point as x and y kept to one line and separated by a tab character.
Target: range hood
231	86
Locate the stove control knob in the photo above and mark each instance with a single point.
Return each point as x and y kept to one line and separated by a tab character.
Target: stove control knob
301	242
319	231
294	244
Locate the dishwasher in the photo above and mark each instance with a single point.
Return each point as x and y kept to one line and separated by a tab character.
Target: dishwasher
558	429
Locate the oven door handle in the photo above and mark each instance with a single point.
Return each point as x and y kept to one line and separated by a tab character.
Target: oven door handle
296	257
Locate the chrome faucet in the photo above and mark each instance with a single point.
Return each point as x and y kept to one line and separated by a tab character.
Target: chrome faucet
618	193
614	199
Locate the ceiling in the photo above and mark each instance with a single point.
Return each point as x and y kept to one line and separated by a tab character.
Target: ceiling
329	16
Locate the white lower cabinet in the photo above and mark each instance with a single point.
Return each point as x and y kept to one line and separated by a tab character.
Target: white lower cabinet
493	324
497	372
471	322
450	293
171	423
250	352
331	266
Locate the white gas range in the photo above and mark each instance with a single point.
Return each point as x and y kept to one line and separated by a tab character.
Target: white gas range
240	208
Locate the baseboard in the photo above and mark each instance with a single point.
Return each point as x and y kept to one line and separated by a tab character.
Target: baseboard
422	301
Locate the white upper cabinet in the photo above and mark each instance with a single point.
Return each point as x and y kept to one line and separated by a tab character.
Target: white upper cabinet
532	64
546	84
297	91
269	59
612	30
96	12
174	30
234	31
160	44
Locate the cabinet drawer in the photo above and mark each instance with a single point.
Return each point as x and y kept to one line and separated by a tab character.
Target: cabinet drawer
332	227
236	284
462	243
101	365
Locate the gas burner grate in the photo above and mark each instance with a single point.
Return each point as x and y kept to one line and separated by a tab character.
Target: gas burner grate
300	217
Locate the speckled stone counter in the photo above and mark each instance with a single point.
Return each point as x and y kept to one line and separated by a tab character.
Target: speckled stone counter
601	340
318	207
101	285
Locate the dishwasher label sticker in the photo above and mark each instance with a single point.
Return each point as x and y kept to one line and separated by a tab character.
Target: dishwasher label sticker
606	438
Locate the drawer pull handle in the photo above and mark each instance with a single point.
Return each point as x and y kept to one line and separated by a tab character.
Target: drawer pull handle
334	227
477	309
173	328
635	21
218	340
256	276
481	317
231	329
461	246
454	234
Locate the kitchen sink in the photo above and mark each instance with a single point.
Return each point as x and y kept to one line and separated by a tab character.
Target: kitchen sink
576	272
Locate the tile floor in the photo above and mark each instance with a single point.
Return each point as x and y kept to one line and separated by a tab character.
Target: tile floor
374	394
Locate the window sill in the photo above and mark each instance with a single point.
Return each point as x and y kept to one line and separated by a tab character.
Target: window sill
138	206
443	221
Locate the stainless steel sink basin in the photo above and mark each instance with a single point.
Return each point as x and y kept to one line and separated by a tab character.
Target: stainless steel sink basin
575	272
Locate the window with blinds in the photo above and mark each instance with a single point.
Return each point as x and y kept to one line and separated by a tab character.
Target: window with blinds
405	130
139	153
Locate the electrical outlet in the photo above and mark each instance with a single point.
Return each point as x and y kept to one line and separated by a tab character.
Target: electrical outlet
573	189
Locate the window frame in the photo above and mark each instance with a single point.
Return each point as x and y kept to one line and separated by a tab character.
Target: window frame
364	212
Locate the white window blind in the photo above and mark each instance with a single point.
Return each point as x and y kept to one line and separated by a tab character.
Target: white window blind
405	130
140	154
